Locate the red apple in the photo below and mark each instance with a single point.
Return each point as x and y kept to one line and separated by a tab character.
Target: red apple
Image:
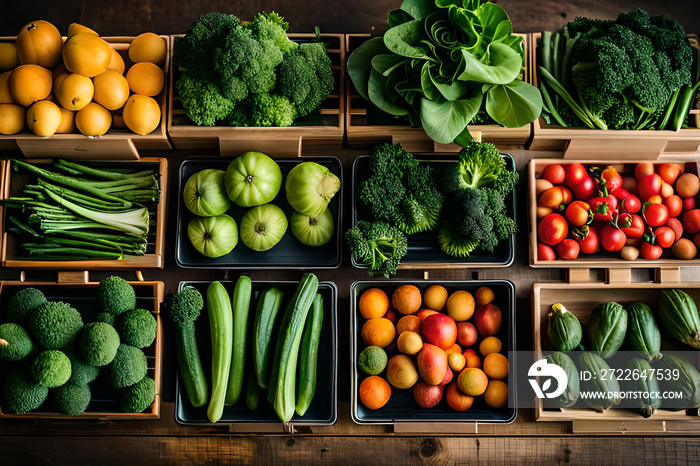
448	376
427	395
488	320
456	399
439	330
432	364
466	334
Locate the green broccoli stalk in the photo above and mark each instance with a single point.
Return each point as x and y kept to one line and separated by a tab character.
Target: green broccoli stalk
377	245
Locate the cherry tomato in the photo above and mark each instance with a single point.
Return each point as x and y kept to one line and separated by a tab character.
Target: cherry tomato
655	214
691	221
688	203
612	239
604	208
545	253
590	244
585	189
612	179
669	172
631	225
568	249
578	213
643	169
677	227
666	190
553	198
674	204
575	173
665	237
555	174
649	251
649	185
631	203
553	229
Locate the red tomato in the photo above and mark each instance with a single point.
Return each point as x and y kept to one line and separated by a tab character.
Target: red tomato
649	251
688	204
604	208
677	227
591	243
553	198
669	172
545	253
665	237
674	204
631	202
575	173
691	221
568	249
612	178
655	214
585	189
643	169
578	213
649	185
631	225
554	174
612	239
553	229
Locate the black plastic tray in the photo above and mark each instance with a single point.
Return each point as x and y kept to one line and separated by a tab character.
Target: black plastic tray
289	253
401	406
423	248
324	406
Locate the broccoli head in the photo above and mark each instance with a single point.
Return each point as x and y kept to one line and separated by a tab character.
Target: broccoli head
55	324
106	317
467	225
377	245
22	394
82	373
115	295
137	328
23	303
207	34
420	208
72	399
272	27
136	398
184	307
306	77
99	343
15	342
128	367
51	368
480	164
271	110
203	101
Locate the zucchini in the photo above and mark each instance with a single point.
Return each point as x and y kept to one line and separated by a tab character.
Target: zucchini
221	325
191	369
645	384
607	329
283	377
253	393
563	328
308	359
644	334
241	305
268	306
686	380
679	316
602	381
570	395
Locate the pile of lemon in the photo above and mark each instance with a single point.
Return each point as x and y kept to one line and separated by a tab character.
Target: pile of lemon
57	86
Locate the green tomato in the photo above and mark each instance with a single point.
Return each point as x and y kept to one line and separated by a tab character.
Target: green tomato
314	230
263	226
205	194
310	187
253	179
213	236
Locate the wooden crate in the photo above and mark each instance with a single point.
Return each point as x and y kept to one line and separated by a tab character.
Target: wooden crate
75	283
614	144
584	262
118	143
361	134
580	299
153	259
291	141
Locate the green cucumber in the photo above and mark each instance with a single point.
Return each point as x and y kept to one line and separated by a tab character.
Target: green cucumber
308	359
253	393
268	306
241	306
221	325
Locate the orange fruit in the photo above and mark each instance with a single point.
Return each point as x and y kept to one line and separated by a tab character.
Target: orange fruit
93	120
472	359
410	323
145	78
378	332
141	114
116	62
30	83
374	392
435	297
111	90
454	349
460	305
496	394
472	381
86	54
373	303
8	55
423	313
75	28
11	118
496	366
409	343
74	92
406	299
43	118
147	47
67	122
490	345
456	361
484	295
5	95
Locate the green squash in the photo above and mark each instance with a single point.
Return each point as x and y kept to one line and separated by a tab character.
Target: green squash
679	316
252	179
644	335
602	380
645	383
607	329
687	382
563	328
570	395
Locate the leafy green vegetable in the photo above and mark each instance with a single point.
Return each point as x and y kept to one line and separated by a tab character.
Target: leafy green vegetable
377	245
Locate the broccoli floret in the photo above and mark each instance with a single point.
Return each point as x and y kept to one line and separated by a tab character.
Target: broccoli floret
494	202
106	317
136	398
22	394
99	343
15	342
23	303
271	110
72	399
420	208
306	77
272	27
137	328
203	101
195	50
51	368
115	295
184	307
480	164
467	226
82	373
378	245
55	324
128	367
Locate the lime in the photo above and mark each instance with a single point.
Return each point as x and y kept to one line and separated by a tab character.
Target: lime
372	360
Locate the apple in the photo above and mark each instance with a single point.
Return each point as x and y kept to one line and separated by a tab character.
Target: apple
466	334
439	330
432	364
488	320
427	395
456	399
